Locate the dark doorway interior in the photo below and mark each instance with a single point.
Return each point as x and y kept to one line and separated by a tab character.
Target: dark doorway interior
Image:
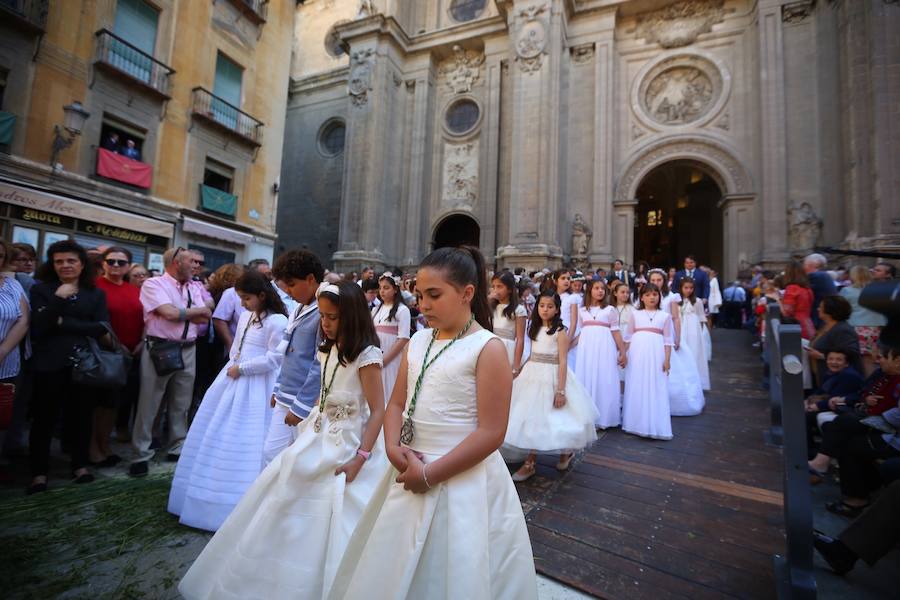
457	230
678	214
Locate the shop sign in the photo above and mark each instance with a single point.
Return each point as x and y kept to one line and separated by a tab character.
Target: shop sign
118	233
38	216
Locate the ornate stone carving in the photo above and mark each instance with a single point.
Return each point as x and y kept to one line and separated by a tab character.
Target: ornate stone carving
360	83
794	12
582	54
531	37
806	226
679	24
636	131
460	185
724	122
680	90
462	70
581	238
729	174
366	9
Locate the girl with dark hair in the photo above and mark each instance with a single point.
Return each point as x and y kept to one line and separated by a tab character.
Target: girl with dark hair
307	502
223	451
391	319
66	309
600	353
621	302
649	342
509	317
570	303
693	321
551	412
421	537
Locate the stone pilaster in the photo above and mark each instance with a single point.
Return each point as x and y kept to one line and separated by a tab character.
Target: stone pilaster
737	214
536	34
419	182
622	220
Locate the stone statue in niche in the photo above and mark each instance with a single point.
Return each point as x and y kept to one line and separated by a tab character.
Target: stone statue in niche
806	226
680	23
531	39
581	239
679	95
462	70
460	188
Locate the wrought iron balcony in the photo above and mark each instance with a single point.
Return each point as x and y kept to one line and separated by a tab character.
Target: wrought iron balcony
255	10
120	57
30	14
225	115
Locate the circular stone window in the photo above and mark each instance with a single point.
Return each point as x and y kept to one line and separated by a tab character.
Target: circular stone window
466	10
462	116
331	138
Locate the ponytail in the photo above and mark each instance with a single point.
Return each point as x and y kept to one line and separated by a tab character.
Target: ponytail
465	266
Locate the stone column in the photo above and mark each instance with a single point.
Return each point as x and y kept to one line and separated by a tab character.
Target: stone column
740	244
363	165
536	33
416	228
604	106
773	165
622	221
491	159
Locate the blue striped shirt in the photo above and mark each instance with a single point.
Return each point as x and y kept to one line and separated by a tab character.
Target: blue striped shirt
11	294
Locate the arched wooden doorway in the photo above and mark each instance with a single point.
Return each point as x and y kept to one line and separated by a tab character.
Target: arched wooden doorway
457	230
678	214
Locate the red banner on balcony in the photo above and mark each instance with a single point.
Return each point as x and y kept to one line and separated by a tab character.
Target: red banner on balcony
121	168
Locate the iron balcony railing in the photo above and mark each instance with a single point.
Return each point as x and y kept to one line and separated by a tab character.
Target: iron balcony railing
118	55
257	10
32	14
215	109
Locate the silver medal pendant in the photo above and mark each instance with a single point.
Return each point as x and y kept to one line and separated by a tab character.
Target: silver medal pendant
317	424
406	432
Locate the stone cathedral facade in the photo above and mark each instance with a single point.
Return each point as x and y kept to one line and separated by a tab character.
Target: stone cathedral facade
555	132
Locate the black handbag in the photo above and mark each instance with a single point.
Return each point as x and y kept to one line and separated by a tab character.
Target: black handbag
166	354
97	367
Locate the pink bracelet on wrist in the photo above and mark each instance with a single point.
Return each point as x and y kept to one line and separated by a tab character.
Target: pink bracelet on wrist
363	453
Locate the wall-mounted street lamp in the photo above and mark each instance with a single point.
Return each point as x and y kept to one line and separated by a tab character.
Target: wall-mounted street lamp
75	116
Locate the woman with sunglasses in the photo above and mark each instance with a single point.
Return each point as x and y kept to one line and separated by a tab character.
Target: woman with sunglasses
127	319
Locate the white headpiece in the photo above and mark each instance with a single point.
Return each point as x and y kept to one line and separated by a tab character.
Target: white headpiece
391	276
327	287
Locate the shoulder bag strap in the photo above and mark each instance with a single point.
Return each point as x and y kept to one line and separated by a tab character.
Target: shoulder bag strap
187	323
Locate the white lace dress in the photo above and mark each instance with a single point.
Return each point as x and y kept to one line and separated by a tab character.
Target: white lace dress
389	331
223	451
597	367
693	319
464	538
645	406
505	329
286	537
568	300
534	423
685	389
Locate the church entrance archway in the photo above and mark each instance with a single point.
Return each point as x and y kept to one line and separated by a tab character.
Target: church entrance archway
678	214
457	230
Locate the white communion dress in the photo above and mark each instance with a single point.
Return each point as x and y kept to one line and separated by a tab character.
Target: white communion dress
223	451
464	538
285	538
534	424
693	319
505	329
389	331
597	368
568	300
645	406
623	314
685	388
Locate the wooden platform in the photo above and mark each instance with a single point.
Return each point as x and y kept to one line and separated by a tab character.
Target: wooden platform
695	517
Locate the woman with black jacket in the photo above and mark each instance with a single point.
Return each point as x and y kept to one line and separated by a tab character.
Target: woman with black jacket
66	309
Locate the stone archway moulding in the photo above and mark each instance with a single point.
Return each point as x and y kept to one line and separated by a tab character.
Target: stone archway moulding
730	173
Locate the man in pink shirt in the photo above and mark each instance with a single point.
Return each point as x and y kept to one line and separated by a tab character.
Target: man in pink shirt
174	310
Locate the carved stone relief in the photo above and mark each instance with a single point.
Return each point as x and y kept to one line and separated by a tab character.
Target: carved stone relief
366	9
806	226
462	70
681	23
680	90
582	54
581	239
360	83
531	37
795	12
460	182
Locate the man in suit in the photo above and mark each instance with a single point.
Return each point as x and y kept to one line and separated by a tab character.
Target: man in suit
820	282
620	273
701	279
